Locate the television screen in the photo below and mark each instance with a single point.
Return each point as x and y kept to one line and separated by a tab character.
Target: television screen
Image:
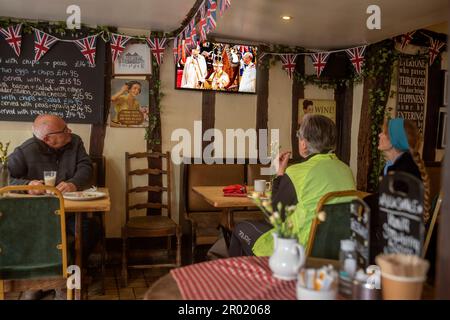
217	66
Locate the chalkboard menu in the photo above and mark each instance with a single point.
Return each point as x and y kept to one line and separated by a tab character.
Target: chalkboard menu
61	83
360	228
411	95
401	214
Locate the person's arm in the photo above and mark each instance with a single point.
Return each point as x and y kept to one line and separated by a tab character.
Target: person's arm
123	90
17	168
283	191
83	171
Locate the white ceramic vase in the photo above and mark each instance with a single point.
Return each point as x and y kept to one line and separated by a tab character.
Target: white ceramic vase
287	258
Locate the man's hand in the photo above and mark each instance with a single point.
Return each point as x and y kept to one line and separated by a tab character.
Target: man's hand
36	183
283	162
66	187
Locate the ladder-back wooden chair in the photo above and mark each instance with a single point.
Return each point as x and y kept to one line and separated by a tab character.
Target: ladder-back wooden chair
33	249
148	226
325	236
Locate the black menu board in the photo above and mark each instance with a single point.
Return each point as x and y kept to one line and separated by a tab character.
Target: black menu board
360	228
62	82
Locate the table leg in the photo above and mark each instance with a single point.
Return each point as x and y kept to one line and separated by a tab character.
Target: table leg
78	250
102	217
227	224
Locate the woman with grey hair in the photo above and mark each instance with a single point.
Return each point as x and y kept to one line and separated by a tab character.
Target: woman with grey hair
302	184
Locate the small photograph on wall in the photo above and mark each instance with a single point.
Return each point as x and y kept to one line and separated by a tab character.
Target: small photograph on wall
129	103
442	131
316	106
135	60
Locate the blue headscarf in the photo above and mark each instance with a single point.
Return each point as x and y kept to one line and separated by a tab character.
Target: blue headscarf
397	134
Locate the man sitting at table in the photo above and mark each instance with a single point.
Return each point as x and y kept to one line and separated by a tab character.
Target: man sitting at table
301	184
54	147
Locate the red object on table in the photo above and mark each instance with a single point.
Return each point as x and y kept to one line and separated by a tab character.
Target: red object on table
240	278
238	190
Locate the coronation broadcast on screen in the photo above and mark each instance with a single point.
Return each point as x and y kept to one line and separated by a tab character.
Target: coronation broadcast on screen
217	66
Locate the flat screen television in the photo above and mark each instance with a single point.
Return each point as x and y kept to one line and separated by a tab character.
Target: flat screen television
216	66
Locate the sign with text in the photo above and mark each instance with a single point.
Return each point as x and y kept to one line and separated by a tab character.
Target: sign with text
319	106
411	90
360	228
401	214
61	83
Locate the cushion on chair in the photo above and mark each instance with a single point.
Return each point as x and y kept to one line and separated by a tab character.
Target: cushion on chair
329	233
30	232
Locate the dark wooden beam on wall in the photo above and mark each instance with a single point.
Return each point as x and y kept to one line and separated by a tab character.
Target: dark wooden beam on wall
262	90
154	142
443	257
434	102
208	113
344	110
298	92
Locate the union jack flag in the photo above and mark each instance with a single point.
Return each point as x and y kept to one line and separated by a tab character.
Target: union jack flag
157	46
212	6
288	61
193	30
406	38
202	24
13	37
175	50
87	47
319	61
187	38
224	5
42	43
118	44
356	56
434	49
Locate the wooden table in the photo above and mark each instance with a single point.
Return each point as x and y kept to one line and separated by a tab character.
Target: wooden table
214	196
102	205
166	288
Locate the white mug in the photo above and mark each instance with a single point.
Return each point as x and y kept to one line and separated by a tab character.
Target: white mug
260	186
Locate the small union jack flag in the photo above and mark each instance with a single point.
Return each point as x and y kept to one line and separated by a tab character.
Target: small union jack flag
319	61
118	44
13	37
288	61
212	6
356	56
202	24
406	38
434	49
42	43
224	5
193	31
175	50
157	46
87	47
187	38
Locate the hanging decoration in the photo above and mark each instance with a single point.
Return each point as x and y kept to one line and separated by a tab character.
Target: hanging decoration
406	39
288	62
224	5
118	44
202	24
87	47
13	36
212	6
193	32
319	61
157	47
356	56
175	50
434	49
42	43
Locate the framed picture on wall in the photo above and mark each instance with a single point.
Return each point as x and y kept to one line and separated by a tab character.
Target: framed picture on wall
445	89
442	131
134	60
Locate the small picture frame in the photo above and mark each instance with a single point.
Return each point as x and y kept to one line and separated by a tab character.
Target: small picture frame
134	60
445	96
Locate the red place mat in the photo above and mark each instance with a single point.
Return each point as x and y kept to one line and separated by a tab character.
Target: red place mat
240	278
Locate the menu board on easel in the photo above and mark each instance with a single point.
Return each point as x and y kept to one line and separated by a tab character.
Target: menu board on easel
360	228
62	82
401	214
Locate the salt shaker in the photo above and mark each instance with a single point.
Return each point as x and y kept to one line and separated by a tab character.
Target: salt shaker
347	259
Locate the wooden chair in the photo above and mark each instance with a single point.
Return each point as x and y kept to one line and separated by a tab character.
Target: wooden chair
149	226
33	249
324	237
430	229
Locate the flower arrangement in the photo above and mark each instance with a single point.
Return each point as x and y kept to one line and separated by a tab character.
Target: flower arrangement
4	153
279	218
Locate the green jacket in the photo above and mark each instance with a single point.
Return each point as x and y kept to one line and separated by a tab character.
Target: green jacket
312	179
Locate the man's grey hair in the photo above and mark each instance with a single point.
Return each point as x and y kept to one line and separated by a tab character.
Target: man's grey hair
248	54
319	133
